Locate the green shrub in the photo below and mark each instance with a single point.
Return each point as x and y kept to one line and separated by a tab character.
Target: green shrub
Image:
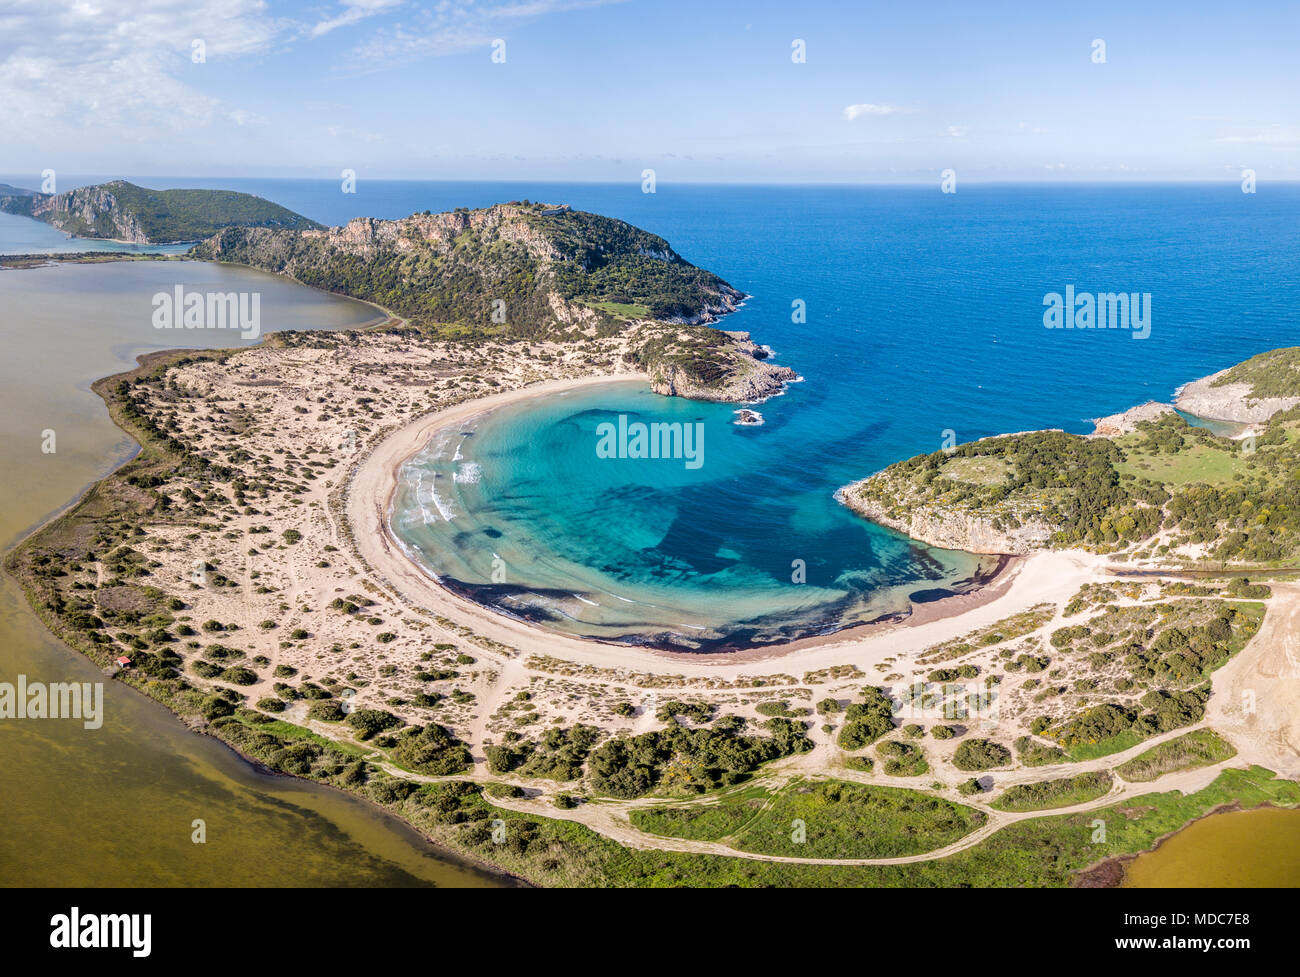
370	722
978	754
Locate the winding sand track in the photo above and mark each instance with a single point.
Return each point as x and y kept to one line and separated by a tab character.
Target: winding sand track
1264	672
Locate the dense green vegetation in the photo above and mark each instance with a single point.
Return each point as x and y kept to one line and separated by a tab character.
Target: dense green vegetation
979	754
430	749
1111	728
558	755
163	215
868	720
902	759
681	761
1035	754
1199	748
592	261
1109	493
1055	793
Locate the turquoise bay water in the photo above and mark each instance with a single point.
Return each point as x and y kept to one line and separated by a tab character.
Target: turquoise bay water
516	510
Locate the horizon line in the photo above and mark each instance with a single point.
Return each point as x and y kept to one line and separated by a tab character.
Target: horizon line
75	177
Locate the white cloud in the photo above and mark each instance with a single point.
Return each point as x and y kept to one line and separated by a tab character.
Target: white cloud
958	132
1274	135
852	112
453	27
69	66
356	135
352	12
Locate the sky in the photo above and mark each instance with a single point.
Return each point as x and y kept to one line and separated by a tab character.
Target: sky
698	91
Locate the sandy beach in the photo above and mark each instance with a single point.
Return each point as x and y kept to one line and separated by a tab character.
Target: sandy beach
1020	584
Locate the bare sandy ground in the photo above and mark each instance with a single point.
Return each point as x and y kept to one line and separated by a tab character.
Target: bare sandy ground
1256	701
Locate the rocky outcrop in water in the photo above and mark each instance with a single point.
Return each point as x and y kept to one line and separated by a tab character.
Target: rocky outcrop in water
1115	425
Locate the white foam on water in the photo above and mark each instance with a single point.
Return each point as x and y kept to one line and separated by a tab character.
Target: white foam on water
468	474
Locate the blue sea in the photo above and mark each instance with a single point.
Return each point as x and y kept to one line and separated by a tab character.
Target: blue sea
924	319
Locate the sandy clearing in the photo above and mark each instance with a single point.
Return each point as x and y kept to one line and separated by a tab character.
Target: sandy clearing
1256	701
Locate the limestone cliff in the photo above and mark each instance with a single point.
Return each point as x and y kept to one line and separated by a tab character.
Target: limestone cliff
530	271
950	528
1211	397
122	211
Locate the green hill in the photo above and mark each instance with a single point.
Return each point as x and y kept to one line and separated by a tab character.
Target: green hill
529	271
126	212
1165	489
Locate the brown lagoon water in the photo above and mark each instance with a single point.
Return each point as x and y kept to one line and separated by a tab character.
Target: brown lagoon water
1258	848
114	806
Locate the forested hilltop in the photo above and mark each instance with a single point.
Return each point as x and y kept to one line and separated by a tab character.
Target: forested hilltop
530	271
1155	487
122	211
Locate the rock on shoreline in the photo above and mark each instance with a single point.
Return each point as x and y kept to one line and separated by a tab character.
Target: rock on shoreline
1115	425
1229	401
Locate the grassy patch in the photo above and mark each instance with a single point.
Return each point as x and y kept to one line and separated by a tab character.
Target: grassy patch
835	819
1105	747
1064	792
1207	463
702	822
977	470
1199	748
